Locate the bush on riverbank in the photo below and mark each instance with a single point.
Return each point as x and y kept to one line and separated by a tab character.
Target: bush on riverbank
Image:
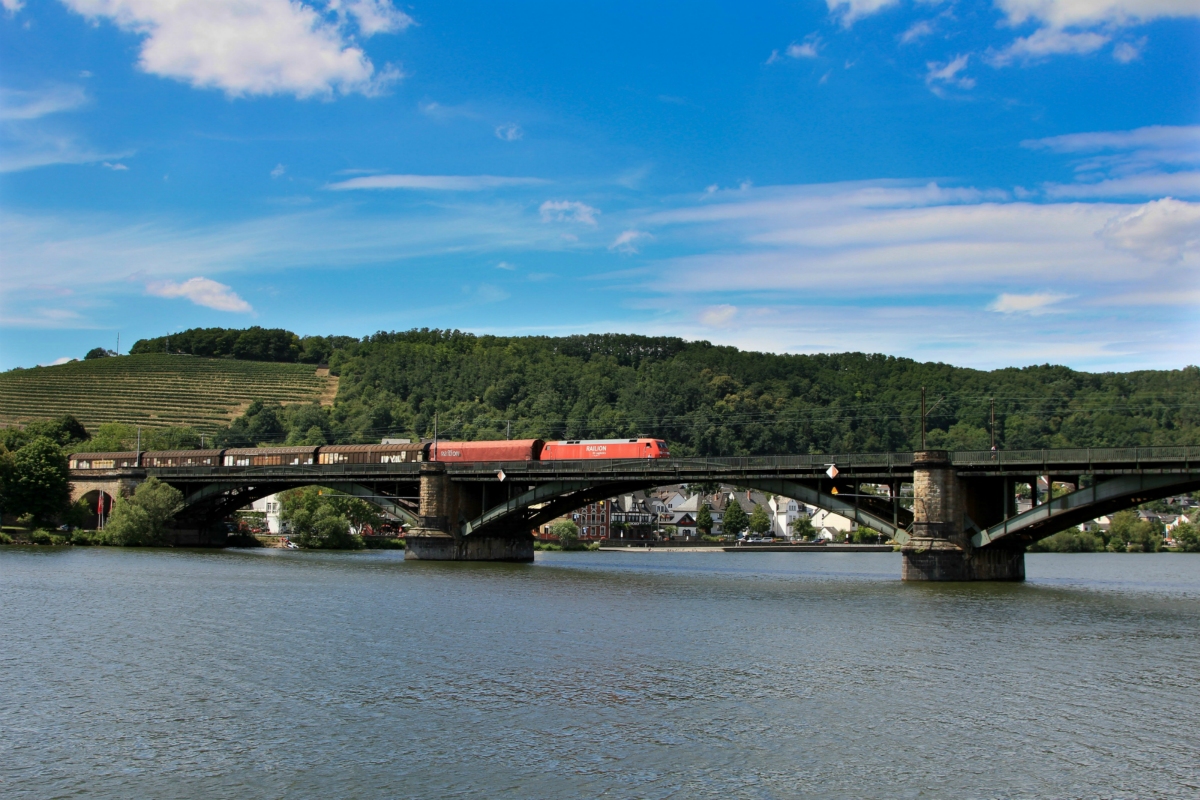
144	519
383	542
1072	541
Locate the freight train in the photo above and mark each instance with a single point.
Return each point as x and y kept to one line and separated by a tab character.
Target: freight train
450	452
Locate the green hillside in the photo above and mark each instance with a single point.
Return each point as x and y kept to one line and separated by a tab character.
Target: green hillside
156	390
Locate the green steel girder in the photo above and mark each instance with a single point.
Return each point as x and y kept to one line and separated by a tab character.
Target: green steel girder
828	502
215	491
565	495
571	494
1085	504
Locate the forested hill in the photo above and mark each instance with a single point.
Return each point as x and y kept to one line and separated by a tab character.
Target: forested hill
706	399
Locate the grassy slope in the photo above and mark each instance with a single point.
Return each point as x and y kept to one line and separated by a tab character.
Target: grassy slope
155	390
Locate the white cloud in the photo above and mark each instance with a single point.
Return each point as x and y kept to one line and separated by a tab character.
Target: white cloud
202	292
1161	230
627	241
809	48
568	211
916	32
1048	42
851	11
1032	304
373	16
887	240
948	74
18	104
12	6
1185	184
509	132
28	149
487	293
251	48
1078	27
1126	52
1089	13
505	265
61	360
1161	139
1155	160
718	316
117	167
444	183
279	170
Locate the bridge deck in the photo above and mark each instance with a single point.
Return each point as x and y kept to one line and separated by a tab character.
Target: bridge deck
863	466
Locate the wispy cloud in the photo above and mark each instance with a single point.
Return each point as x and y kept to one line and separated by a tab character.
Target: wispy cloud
938	76
809	48
850	11
437	183
18	104
1048	42
1033	304
568	211
627	241
917	31
1152	161
1126	52
718	316
202	292
509	132
279	170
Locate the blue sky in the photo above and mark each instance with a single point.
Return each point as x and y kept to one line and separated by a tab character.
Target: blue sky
991	183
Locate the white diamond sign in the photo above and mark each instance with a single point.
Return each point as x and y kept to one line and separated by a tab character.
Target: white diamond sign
501	475
832	471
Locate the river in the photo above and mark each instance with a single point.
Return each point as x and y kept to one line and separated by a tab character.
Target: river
273	674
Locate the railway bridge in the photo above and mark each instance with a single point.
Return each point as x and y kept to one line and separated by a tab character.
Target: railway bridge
954	513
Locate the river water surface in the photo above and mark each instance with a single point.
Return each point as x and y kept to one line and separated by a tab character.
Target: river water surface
272	674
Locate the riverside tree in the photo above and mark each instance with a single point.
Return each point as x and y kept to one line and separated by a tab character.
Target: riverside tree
566	532
735	519
37	482
316	520
802	527
704	520
1187	536
759	522
145	519
1129	533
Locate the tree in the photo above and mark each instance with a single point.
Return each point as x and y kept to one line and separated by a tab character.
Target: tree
759	522
1129	533
735	519
324	529
704	520
98	352
6	477
1187	535
802	527
38	483
145	519
566	532
314	515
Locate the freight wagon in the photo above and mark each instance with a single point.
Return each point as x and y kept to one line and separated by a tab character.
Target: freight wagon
449	452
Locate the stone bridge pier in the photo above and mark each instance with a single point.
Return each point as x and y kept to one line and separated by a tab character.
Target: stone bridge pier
445	506
944	506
